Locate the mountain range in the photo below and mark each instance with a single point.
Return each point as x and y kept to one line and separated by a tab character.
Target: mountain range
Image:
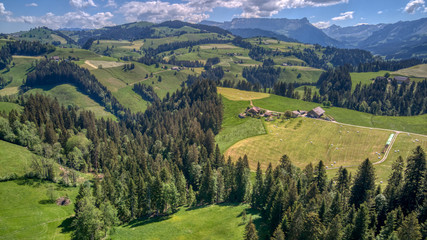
403	39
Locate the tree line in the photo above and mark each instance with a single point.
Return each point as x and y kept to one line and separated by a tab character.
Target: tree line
304	204
22	47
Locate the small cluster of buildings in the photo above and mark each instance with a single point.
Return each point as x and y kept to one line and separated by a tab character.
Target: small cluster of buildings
317	112
398	79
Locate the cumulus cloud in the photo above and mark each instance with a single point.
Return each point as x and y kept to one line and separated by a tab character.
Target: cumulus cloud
414	5
79	19
344	16
322	25
197	10
82	3
31	5
111	3
361	24
3	11
380	12
161	11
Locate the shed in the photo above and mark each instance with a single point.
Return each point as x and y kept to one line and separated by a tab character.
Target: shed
316	112
401	79
254	110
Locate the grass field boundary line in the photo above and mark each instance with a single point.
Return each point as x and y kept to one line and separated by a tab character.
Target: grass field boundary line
145	79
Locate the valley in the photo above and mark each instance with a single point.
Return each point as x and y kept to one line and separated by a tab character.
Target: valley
168	130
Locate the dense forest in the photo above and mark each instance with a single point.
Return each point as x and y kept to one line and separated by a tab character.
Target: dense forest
146	92
305	204
22	47
380	97
49	72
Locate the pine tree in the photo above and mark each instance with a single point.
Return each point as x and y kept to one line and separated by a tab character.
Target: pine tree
320	176
313	229
412	192
395	181
364	184
361	222
208	186
257	190
278	234
334	231
410	228
250	231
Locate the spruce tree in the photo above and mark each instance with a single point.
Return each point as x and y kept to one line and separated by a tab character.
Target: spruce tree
278	234
334	231
395	182
410	228
413	190
313	228
364	184
361	222
320	176
257	190
250	231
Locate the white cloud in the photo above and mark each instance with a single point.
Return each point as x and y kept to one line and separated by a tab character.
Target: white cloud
344	16
197	10
268	8
322	25
82	3
111	3
3	11
161	11
361	24
77	19
414	5
380	12
31	5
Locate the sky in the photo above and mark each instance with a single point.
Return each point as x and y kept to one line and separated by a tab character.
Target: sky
18	15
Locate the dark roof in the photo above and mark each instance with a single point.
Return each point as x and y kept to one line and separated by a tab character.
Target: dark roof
401	78
319	111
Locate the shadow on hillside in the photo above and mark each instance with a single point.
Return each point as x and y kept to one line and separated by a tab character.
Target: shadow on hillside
144	221
46	201
66	225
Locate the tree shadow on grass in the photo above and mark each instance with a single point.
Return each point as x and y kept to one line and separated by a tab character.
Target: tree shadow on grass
66	225
46	201
144	221
259	223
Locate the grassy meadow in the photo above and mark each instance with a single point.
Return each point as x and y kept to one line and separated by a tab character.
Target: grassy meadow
7	107
307	140
207	222
27	213
68	94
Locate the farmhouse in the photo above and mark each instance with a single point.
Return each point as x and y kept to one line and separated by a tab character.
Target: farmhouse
175	68
242	115
298	113
268	114
401	79
316	112
254	110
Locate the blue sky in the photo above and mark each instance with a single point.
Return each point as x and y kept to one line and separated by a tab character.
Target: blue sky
16	15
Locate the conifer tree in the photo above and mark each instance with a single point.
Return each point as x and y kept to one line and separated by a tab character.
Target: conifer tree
410	228
278	234
320	176
257	190
413	190
334	231
364	184
361	222
395	182
250	231
313	229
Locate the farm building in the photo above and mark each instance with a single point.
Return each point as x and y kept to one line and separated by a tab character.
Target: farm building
242	115
254	110
298	113
316	112
400	79
268	114
175	68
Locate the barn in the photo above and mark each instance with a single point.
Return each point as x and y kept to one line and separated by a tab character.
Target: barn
316	112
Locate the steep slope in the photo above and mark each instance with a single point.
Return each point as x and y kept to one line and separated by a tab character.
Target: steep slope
251	32
299	29
401	39
351	36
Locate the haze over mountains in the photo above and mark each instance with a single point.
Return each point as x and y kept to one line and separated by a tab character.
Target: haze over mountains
398	40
